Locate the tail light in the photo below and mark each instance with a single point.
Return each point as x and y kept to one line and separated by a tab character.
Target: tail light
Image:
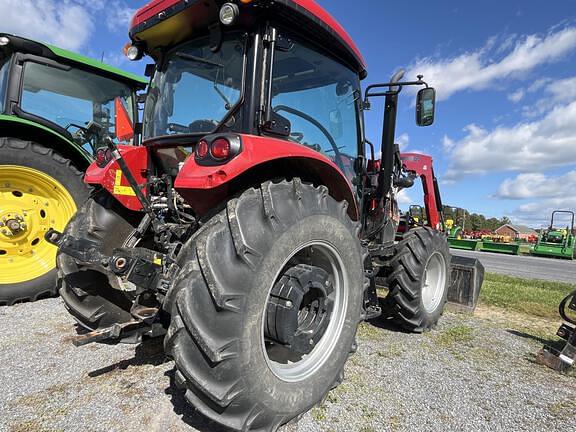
103	157
217	149
202	149
220	149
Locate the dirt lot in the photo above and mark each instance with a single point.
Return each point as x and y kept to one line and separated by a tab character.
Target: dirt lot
472	373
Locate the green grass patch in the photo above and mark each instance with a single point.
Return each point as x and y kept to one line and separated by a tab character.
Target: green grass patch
533	297
459	334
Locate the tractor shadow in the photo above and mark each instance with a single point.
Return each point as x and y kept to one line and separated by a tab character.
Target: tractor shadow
148	352
555	342
186	412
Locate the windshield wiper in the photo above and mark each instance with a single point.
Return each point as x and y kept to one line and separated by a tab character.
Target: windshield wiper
191	57
220	67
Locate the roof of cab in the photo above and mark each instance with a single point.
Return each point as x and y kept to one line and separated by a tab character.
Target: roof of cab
292	11
46	50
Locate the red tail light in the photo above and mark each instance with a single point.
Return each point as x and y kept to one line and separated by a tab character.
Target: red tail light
220	149
103	157
202	150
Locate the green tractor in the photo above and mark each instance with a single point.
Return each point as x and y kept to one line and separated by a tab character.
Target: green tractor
557	242
56	109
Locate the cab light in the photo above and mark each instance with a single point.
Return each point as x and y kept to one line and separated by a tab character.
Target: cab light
220	149
4	41
134	53
229	13
202	149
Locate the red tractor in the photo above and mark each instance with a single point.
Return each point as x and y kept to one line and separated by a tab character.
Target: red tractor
249	227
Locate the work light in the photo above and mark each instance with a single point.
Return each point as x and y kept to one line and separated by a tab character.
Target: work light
134	53
229	13
4	41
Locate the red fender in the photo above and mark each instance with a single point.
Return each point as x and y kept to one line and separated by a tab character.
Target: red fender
110	177
204	187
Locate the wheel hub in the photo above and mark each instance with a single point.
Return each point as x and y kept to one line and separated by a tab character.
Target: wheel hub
14	226
299	308
31	203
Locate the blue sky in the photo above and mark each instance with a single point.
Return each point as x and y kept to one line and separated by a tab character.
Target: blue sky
504	142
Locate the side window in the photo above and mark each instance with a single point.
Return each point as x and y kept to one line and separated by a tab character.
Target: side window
4	68
74	99
320	98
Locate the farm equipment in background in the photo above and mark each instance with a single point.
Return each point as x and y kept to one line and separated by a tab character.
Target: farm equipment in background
56	110
563	360
457	236
499	244
556	242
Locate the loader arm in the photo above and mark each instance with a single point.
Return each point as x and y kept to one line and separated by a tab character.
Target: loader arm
419	165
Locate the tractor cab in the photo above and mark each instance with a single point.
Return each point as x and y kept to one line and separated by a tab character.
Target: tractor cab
50	92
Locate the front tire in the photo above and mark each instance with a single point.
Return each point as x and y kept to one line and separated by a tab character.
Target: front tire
39	190
418	279
282	234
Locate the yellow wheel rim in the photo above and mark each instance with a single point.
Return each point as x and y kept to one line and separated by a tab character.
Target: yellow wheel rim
31	202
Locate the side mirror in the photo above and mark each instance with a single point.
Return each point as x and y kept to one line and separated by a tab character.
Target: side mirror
425	107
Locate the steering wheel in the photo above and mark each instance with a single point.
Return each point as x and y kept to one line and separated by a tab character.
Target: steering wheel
202	126
316	123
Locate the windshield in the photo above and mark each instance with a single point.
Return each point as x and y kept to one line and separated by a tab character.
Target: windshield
196	89
75	99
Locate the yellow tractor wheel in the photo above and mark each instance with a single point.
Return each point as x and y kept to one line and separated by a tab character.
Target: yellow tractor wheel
39	190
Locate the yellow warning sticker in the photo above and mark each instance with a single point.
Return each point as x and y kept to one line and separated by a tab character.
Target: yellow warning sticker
119	189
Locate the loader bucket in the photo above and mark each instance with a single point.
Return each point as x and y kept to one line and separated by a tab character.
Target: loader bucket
467	278
464	244
503	248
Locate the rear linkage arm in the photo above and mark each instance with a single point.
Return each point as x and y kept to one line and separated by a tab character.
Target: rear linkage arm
148	270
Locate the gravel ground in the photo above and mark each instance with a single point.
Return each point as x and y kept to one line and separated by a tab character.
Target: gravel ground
472	373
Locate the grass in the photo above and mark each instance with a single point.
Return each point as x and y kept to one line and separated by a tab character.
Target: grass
457	335
532	297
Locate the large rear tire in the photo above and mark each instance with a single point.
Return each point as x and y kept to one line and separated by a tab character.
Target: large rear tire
282	234
88	294
418	279
39	190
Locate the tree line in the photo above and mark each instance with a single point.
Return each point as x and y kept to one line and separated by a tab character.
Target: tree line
473	221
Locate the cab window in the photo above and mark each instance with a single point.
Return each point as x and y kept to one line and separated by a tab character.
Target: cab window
320	97
73	98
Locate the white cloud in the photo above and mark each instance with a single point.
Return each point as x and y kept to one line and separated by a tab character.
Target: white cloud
68	25
538	185
563	90
527	146
517	96
119	17
404	198
477	70
538	214
403	141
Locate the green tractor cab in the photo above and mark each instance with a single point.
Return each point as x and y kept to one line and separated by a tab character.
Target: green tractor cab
557	242
56	110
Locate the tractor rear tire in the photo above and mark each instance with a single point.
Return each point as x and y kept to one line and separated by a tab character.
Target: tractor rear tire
39	189
88	294
220	304
418	279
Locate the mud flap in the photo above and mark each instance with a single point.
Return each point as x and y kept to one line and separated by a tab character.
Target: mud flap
467	279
